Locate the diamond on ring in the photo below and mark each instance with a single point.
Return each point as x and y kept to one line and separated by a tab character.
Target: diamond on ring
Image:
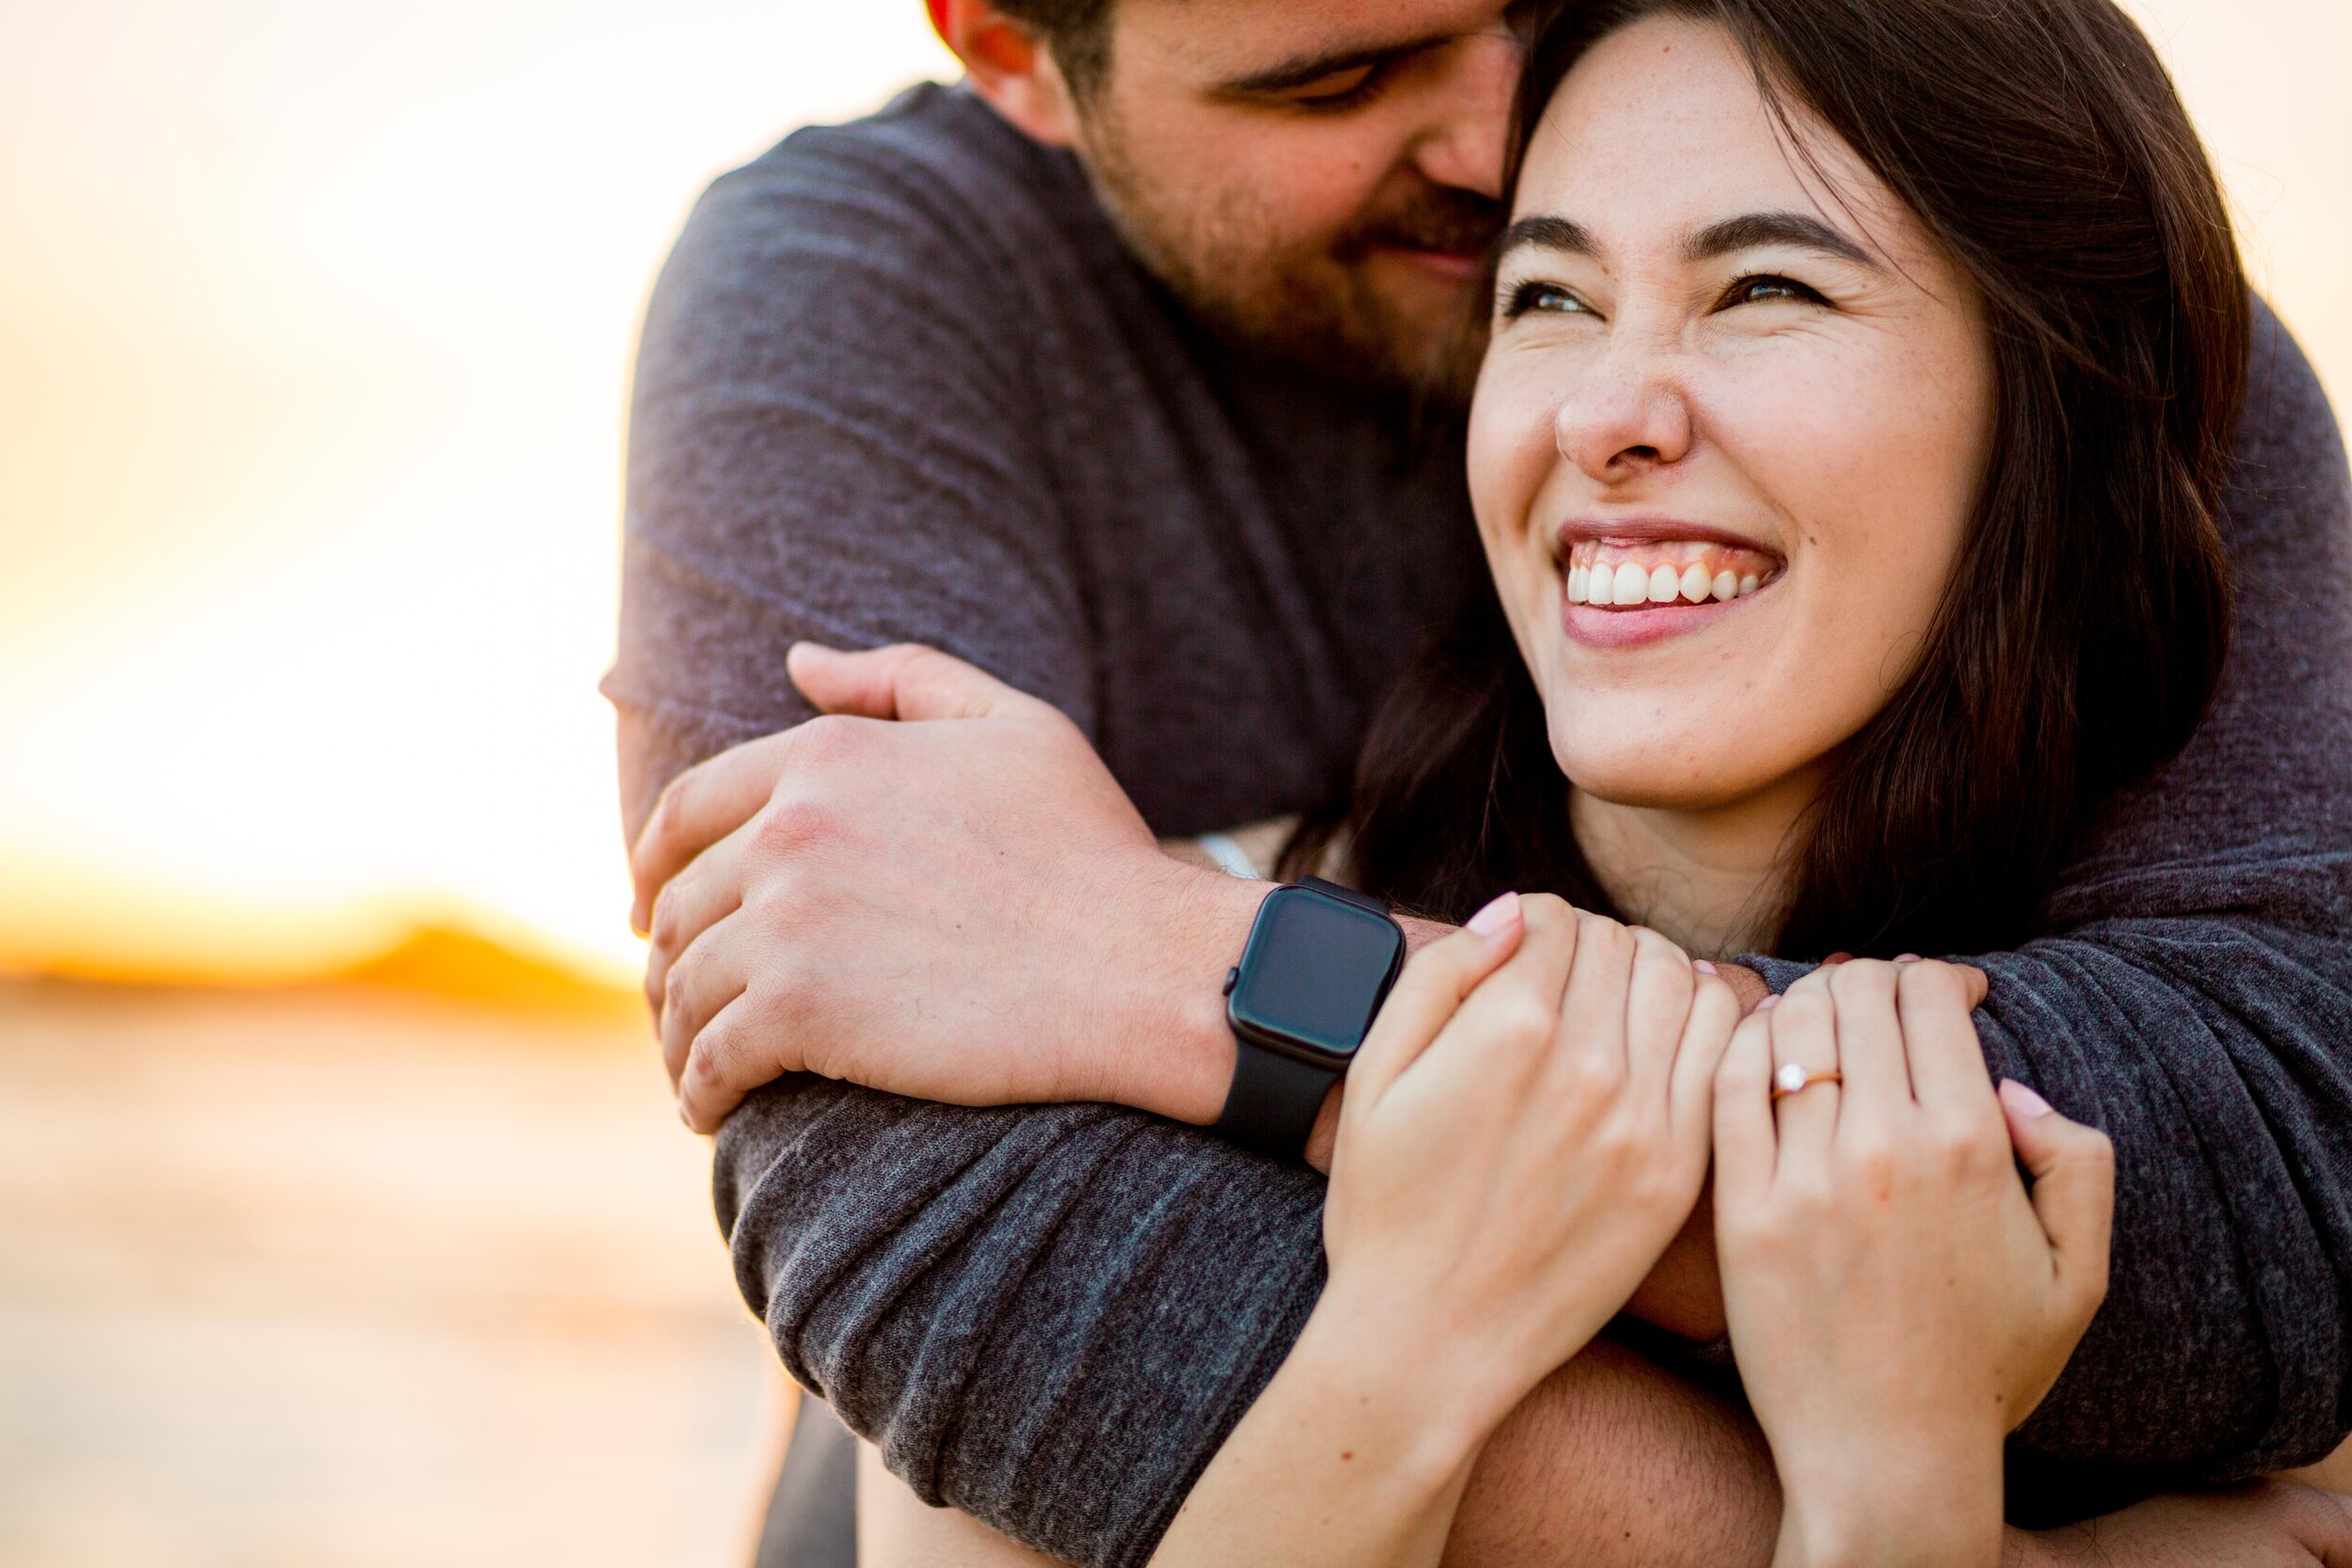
1788	1077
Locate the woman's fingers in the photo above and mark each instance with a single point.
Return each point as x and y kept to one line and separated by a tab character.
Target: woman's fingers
1593	1007
2072	1168
1429	993
1706	1038
1804	1039
1877	1081
1948	1072
1658	1007
1746	1145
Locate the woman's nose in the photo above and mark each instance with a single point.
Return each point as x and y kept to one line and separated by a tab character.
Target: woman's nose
1623	418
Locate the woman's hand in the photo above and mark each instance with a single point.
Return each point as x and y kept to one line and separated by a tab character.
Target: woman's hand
1517	1148
1898	1302
1524	1130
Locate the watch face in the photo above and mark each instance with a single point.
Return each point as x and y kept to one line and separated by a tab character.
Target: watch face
1313	974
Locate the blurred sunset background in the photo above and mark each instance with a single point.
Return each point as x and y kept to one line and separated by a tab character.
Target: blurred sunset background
343	1216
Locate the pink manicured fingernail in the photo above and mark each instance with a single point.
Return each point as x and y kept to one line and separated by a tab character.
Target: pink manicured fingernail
1496	917
1702	966
1906	958
1767	1005
2024	1101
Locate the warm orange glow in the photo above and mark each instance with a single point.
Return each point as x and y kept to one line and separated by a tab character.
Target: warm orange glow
317	324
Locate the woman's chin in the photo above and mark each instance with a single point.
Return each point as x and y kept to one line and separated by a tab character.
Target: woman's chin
1665	771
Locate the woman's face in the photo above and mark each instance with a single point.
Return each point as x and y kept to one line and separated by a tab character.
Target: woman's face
1729	432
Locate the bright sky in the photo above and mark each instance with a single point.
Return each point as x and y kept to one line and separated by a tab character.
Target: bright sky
314	333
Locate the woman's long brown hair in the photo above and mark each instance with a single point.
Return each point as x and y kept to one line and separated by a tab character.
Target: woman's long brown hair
2080	643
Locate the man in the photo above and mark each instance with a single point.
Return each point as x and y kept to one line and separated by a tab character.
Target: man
1155	427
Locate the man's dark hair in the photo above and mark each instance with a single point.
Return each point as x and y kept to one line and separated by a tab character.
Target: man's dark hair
2083	635
1077	31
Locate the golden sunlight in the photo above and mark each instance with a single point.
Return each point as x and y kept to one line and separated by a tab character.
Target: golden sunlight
319	322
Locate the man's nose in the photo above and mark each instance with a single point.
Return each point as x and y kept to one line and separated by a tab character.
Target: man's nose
1623	417
1464	144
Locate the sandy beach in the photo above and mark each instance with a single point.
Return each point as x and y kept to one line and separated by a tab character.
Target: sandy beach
341	1277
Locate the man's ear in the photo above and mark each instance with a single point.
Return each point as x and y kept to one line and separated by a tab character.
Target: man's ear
1011	67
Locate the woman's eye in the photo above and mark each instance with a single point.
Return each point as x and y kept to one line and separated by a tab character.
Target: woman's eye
1546	297
1769	291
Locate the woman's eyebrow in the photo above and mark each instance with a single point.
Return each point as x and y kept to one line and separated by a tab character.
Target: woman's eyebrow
1546	232
1753	229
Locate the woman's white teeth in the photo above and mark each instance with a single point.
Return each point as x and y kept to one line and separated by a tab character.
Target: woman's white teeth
1600	573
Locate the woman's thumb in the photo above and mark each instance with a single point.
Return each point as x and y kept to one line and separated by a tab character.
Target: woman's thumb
1430	991
2072	1167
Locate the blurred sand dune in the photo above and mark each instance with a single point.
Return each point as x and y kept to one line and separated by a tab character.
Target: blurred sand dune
345	1277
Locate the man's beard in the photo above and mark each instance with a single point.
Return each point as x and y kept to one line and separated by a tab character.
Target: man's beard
1313	303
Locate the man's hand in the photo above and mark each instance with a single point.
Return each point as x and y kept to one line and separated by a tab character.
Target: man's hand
960	906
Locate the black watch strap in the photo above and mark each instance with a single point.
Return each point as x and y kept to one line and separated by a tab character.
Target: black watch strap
1273	1102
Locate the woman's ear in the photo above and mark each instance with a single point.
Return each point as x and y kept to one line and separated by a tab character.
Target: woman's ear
1010	67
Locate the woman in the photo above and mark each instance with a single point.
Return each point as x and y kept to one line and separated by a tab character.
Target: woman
1858	368
1764	410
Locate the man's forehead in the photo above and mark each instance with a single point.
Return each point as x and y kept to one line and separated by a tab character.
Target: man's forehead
1238	42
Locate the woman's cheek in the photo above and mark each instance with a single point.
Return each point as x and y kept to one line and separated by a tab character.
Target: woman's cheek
1512	458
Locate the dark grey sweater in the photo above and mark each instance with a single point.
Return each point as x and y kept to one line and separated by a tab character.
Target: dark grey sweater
900	380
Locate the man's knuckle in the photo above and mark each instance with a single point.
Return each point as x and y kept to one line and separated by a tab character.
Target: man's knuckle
791	824
830	740
668	807
668	918
677	987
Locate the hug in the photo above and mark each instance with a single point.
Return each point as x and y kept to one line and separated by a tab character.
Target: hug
1783	520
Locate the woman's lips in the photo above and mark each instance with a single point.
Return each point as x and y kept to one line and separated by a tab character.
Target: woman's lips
1635	628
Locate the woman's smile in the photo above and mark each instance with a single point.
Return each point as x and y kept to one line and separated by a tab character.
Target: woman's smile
1627	582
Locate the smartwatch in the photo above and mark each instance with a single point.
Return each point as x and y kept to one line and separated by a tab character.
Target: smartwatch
1320	960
